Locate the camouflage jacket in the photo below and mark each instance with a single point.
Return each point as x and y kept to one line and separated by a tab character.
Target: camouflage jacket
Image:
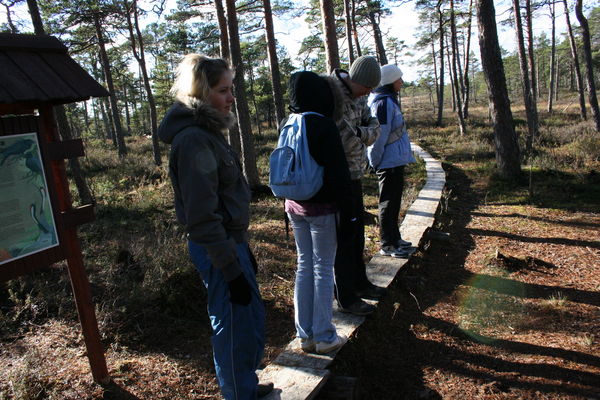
358	129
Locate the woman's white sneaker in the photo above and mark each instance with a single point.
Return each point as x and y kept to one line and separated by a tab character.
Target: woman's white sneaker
324	347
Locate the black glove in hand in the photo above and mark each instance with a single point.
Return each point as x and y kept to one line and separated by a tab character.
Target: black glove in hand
239	290
358	131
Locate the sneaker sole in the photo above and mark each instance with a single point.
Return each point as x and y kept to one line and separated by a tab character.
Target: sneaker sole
395	255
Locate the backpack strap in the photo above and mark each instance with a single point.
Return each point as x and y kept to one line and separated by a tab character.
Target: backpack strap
311	113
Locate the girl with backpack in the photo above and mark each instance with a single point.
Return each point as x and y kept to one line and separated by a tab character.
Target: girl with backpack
314	220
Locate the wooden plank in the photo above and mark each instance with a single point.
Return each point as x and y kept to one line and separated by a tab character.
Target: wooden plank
52	84
77	77
339	388
27	265
34	43
18	124
77	216
16	83
293	383
64	150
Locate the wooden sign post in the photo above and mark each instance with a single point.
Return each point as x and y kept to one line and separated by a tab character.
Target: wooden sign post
39	222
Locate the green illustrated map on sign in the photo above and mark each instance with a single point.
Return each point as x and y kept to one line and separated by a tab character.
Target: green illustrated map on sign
26	221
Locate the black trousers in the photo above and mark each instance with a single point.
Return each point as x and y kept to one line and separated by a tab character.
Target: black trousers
350	269
391	185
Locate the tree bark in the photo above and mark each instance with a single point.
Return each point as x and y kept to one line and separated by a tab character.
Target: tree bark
457	89
273	63
137	40
36	19
377	36
467	84
587	56
433	60
241	103
440	94
531	55
348	24
528	96
575	57
505	137
552	8
234	132
111	88
331	46
354	27
224	36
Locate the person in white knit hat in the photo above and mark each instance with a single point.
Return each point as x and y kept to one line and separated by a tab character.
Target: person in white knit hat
388	156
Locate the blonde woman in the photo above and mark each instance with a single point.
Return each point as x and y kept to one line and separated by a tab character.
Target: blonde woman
212	201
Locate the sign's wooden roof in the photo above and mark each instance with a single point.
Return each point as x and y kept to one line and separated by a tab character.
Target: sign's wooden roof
38	69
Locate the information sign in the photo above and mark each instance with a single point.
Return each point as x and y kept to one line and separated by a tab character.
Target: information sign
27	223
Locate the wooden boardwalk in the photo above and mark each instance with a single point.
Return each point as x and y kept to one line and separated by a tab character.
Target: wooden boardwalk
298	375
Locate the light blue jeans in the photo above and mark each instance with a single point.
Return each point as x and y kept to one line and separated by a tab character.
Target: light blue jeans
238	331
313	296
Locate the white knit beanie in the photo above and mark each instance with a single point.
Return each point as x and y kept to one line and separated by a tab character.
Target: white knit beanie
390	73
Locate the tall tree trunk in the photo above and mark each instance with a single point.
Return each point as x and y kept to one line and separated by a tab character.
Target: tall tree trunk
528	97
434	61
224	36
241	103
378	38
137	47
451	75
96	119
467	84
455	56
273	63
85	195
331	46
111	88
354	27
575	58
253	97
36	19
234	131
348	24
126	106
440	95
552	9
531	55
86	117
505	137
587	56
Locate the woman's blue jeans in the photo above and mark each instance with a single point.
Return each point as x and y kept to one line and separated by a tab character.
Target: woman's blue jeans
313	296
238	331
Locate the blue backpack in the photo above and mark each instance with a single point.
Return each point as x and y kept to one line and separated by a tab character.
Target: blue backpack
294	173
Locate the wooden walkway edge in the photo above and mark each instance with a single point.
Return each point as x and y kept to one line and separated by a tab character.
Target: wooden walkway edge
299	376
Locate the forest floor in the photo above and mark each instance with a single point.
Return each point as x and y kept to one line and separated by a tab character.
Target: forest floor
507	307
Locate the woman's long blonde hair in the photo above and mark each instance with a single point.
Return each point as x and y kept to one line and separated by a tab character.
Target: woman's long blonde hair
196	74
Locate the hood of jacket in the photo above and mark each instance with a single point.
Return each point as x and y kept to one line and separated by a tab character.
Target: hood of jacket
180	116
309	92
340	91
384	91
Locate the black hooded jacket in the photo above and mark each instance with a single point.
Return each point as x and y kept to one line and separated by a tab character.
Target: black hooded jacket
310	92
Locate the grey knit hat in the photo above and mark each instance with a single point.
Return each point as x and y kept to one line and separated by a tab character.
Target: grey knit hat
365	70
